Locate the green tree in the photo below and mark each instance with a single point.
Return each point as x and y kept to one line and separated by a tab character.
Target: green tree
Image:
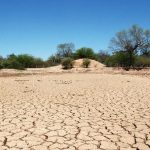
26	60
118	59
11	62
85	52
131	41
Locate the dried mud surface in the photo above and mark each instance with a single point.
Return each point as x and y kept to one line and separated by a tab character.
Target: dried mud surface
75	112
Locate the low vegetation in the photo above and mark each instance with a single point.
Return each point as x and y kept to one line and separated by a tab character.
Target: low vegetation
21	62
86	62
67	63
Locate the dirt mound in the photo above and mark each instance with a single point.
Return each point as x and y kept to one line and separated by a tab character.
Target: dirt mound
94	64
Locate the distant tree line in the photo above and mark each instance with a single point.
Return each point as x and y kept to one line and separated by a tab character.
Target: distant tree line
21	62
130	49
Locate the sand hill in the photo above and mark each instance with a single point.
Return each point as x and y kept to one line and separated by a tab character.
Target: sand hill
94	64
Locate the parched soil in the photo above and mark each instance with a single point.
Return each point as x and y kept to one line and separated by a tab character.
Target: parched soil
75	112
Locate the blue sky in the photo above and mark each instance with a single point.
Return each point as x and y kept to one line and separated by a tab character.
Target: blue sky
36	27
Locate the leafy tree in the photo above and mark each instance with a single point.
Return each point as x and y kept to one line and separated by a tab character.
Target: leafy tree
131	41
26	60
22	61
85	52
65	50
11	62
118	59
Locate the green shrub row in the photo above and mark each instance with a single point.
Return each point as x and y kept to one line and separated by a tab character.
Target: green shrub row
21	62
121	59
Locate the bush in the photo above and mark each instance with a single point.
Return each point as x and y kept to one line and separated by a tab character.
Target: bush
11	62
85	53
1	61
111	61
21	62
67	63
119	59
86	63
141	62
1	66
26	60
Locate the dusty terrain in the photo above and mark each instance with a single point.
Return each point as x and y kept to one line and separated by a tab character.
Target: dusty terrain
75	112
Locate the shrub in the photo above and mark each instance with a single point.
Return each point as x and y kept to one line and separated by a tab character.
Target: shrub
67	63
142	62
86	63
85	53
26	60
110	61
1	66
1	61
11	62
21	62
119	59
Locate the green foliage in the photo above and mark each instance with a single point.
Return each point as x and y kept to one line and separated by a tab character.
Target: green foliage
122	59
86	62
25	60
1	61
85	53
67	63
21	62
132	41
110	61
119	59
142	62
12	63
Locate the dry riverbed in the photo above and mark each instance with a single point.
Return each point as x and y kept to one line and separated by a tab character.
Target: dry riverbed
75	112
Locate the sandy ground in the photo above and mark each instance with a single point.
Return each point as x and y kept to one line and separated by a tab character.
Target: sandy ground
75	112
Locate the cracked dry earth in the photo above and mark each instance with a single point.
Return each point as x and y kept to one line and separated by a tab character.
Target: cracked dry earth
75	112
